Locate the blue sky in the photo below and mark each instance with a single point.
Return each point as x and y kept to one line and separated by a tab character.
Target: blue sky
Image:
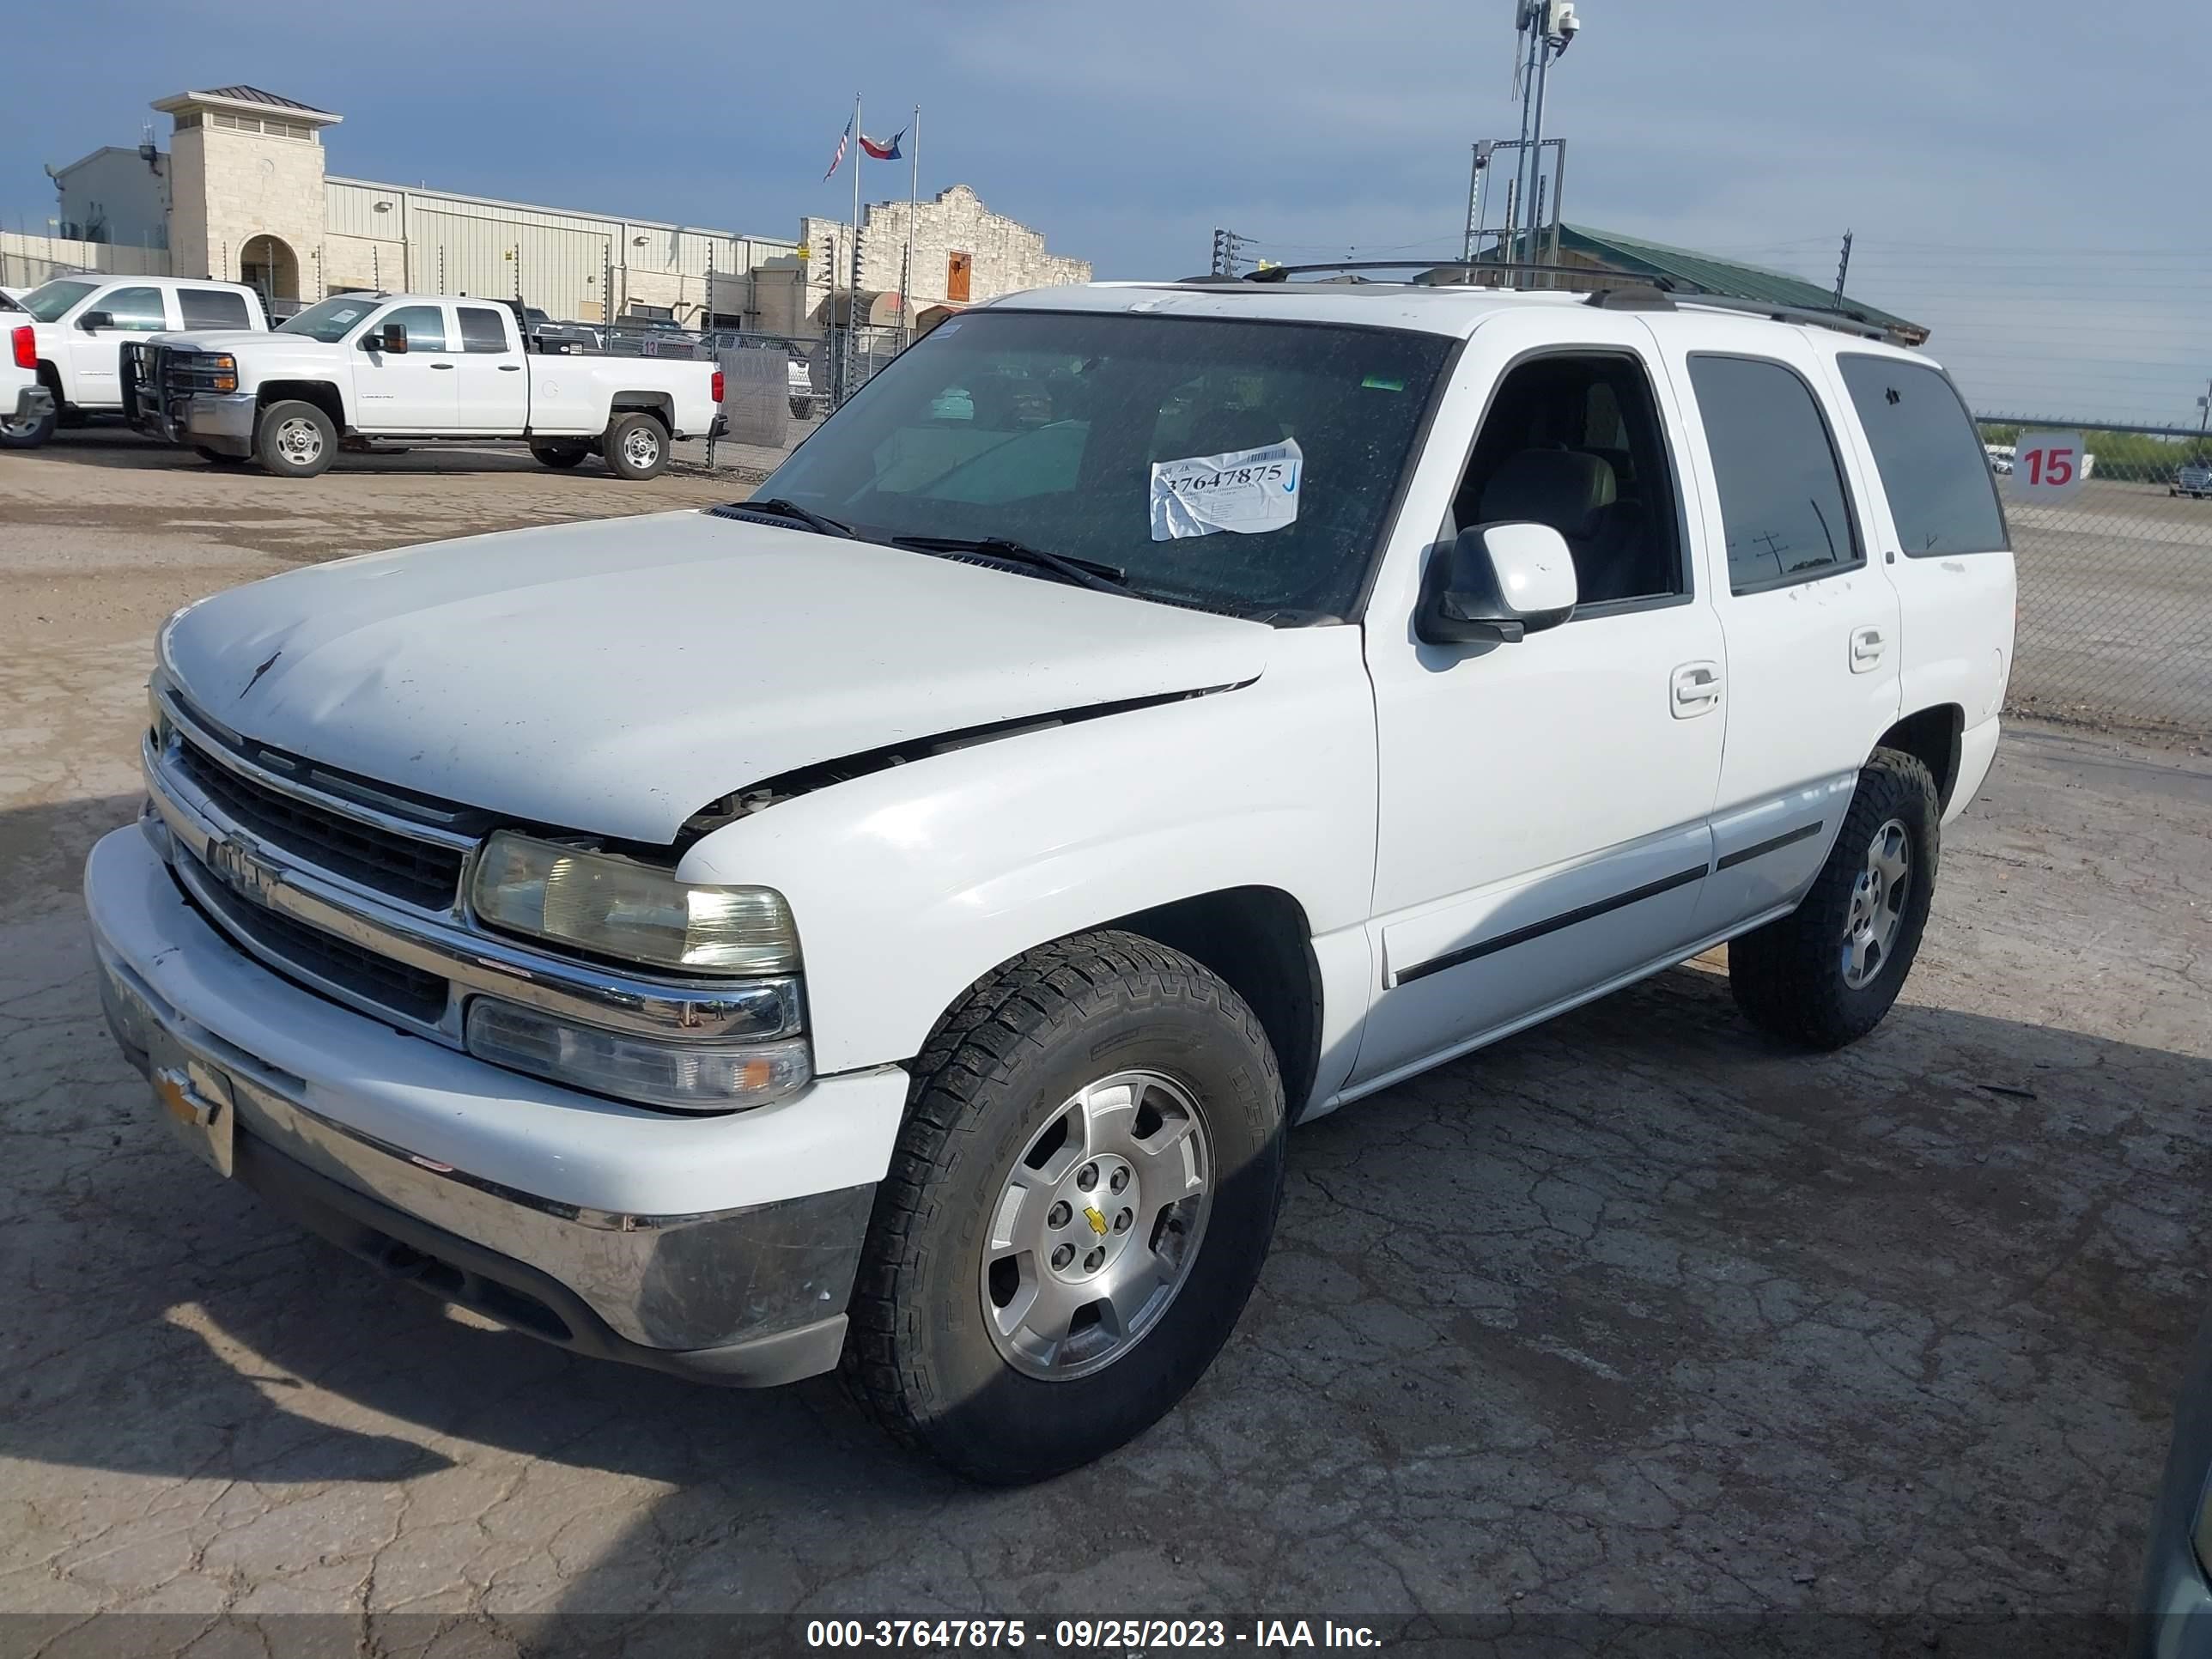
2014	173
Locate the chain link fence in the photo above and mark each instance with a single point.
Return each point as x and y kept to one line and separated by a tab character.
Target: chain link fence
2116	583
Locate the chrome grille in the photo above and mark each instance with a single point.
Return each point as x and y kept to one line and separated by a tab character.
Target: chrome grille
322	960
417	871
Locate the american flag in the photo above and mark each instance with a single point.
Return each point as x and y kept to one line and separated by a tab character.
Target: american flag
838	160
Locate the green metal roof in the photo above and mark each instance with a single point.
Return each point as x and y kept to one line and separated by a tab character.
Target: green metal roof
1688	269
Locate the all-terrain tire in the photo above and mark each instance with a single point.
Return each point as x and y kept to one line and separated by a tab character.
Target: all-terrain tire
1789	977
1027	1038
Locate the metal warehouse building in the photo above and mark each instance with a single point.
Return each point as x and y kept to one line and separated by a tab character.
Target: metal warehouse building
242	193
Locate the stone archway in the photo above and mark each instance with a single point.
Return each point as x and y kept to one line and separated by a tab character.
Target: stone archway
267	265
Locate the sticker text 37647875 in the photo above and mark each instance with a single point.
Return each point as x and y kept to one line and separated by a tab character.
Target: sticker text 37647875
1244	490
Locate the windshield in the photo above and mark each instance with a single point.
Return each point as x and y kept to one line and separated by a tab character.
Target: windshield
48	301
1243	466
329	320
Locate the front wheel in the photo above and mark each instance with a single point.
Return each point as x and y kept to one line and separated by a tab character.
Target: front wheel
1826	974
295	441
1076	1210
636	446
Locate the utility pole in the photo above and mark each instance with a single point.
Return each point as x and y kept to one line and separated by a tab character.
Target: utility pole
1551	27
1843	270
2203	415
1228	251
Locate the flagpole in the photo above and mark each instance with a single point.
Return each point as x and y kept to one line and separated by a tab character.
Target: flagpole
908	311
853	295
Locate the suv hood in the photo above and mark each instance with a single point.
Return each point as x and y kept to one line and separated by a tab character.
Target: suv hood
616	677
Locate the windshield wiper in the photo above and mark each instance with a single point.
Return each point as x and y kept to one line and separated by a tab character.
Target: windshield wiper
776	508
1083	573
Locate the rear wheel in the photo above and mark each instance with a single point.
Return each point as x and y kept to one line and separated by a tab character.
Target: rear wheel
295	441
636	446
1826	974
1076	1211
560	455
29	432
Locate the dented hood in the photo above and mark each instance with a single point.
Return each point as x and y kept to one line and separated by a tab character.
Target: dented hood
616	677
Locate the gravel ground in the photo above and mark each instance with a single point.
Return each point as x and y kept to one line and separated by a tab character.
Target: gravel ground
1635	1315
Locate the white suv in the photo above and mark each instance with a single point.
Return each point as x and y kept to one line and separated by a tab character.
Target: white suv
893	921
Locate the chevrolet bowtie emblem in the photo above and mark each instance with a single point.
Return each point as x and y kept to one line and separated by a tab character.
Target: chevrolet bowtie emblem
240	870
1098	1221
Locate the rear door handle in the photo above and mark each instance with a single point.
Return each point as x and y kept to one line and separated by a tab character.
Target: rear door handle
510	369
1868	649
1697	690
441	365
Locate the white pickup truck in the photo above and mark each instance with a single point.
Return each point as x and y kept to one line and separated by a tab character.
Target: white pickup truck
81	326
358	368
27	402
892	921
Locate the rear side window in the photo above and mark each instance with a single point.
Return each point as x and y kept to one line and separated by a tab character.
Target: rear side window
1782	506
1933	467
480	330
213	307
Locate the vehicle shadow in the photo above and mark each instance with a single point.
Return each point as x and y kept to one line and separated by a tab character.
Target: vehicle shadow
106	444
1574	1315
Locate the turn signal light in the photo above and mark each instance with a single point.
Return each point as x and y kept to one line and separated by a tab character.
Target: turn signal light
717	382
26	354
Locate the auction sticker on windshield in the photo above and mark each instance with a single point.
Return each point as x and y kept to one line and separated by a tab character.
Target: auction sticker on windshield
1245	490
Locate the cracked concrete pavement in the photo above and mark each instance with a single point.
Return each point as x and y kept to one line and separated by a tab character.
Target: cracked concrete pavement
1635	1313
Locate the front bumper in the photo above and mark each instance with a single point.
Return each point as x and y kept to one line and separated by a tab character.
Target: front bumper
222	422
33	402
719	1248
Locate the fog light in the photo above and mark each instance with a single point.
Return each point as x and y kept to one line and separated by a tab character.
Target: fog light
688	1076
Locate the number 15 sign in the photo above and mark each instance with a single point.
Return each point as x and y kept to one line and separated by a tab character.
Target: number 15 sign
2046	466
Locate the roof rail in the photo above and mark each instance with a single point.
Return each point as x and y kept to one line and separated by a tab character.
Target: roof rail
1284	273
1634	293
1643	297
1842	322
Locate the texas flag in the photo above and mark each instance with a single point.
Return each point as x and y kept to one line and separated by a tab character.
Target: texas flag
880	150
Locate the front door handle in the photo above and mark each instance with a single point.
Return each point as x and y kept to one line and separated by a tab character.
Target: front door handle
441	365
1697	690
1868	649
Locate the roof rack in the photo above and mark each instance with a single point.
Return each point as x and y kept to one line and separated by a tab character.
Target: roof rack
1633	294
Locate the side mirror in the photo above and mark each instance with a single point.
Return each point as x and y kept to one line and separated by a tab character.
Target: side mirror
1496	581
391	338
93	321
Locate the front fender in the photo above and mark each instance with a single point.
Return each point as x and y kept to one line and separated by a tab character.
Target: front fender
908	884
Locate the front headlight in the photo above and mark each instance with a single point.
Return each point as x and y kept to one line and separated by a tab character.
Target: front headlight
619	907
688	1076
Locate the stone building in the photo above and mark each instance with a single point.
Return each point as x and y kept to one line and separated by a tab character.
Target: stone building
964	254
242	193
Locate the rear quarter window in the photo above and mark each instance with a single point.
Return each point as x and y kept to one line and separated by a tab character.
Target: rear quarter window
1933	467
213	307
